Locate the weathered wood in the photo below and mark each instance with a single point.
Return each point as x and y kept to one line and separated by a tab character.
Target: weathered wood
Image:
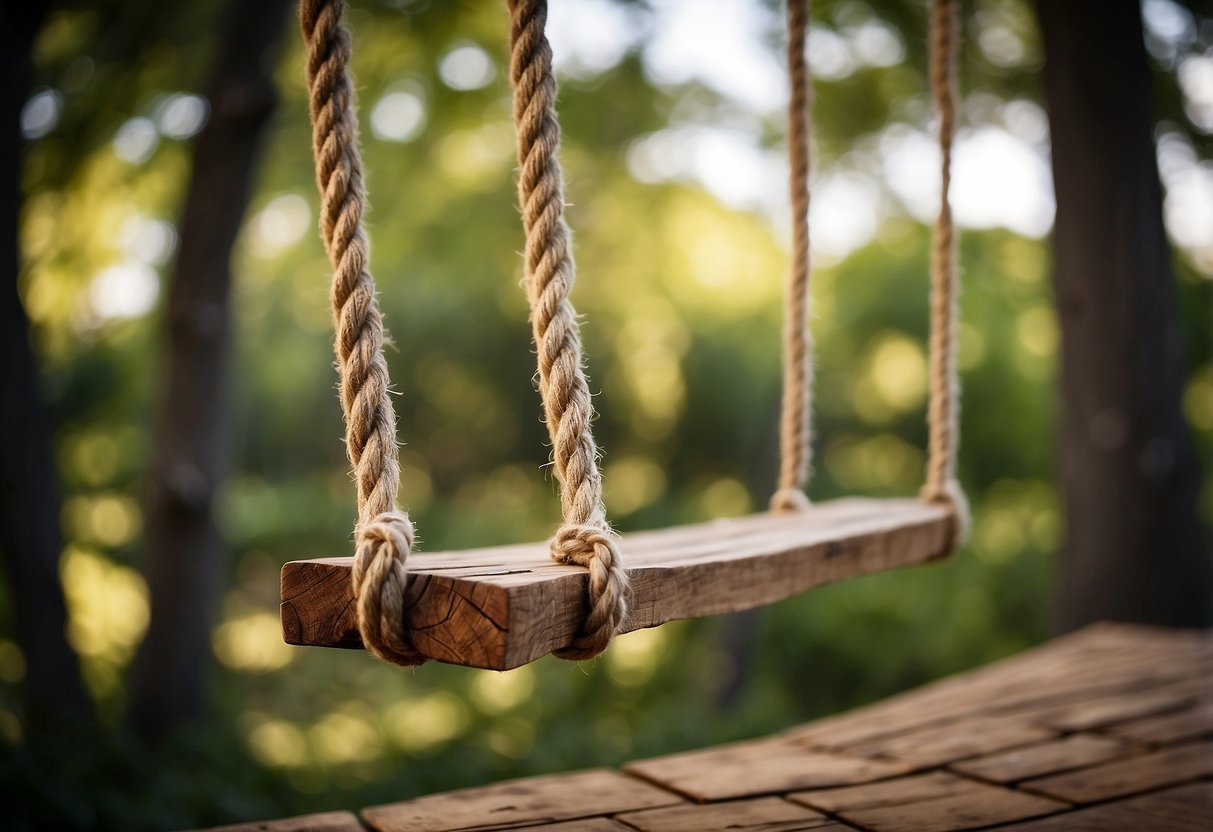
1103	660
532	801
1046	758
325	822
1181	809
1189	724
1098	713
1173	765
895	792
754	768
502	607
969	809
766	814
581	825
1135	686
971	737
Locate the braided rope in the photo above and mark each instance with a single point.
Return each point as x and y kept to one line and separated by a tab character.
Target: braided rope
584	537
796	415
384	534
943	408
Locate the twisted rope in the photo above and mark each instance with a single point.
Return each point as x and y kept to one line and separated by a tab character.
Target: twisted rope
943	408
796	415
384	534
584	536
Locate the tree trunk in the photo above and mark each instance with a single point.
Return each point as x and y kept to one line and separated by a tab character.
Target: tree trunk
30	539
191	441
1128	467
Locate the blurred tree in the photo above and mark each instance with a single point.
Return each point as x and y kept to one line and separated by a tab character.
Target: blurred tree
668	152
191	453
30	540
1133	548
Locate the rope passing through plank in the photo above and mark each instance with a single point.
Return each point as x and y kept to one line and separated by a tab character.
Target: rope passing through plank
943	408
584	537
796	413
384	534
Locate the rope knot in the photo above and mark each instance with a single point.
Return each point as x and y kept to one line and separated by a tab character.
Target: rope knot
380	578
789	500
952	495
594	547
583	543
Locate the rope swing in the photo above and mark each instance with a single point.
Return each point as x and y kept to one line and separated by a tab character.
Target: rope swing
792	548
795	423
943	407
584	537
384	534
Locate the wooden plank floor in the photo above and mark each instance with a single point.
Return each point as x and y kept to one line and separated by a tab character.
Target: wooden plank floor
505	606
1110	728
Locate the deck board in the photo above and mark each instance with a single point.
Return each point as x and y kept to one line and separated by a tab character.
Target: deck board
504	606
1105	729
515	803
1052	757
765	814
1170	766
969	809
755	768
323	822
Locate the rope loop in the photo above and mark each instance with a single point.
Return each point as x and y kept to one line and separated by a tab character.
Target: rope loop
380	579
593	546
952	495
584	537
787	500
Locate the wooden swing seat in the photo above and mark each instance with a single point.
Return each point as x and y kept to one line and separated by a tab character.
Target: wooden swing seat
504	606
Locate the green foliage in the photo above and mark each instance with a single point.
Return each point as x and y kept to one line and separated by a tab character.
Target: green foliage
681	297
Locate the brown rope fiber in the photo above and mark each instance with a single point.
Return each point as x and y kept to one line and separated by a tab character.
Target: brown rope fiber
943	409
384	534
584	536
796	414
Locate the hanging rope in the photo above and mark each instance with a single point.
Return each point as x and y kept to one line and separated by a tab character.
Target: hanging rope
584	537
384	534
944	406
795	423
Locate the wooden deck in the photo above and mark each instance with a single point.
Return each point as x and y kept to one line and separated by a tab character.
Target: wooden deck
1110	728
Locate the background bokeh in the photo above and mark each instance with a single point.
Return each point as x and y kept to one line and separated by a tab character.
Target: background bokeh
672	114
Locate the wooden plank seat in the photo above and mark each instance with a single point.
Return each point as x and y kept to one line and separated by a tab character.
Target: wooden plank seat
504	606
1105	729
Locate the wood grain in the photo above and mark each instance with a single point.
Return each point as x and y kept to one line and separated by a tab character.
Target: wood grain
932	746
581	825
895	792
767	814
970	809
502	607
1100	661
324	822
532	801
1046	758
1098	713
755	768
1180	809
1176	764
1189	724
